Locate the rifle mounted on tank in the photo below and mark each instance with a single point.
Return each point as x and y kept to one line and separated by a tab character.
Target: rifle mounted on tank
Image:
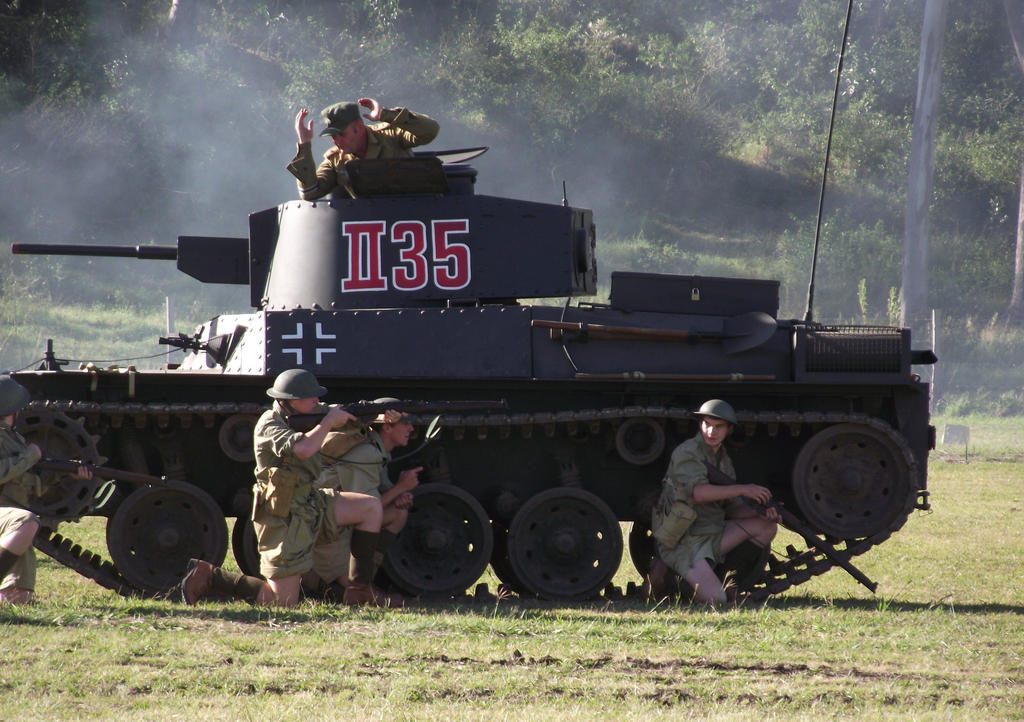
790	521
738	333
367	410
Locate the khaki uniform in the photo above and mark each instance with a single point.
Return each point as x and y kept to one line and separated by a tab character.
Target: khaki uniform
363	469
399	131
17	484
703	539
290	514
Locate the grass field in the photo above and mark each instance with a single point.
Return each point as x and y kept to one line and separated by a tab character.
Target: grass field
942	639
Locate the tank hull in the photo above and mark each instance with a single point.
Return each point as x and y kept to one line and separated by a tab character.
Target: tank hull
417	297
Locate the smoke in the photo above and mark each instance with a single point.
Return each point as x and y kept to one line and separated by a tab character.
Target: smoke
192	134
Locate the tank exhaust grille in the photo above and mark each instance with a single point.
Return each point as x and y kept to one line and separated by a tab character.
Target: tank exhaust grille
871	349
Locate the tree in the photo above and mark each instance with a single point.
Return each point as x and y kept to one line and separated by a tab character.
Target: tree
913	310
1015	312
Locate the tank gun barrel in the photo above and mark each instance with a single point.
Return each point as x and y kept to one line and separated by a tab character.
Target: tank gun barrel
167	253
210	259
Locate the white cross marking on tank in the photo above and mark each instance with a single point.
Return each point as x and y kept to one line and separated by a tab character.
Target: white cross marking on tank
321	335
297	351
320	351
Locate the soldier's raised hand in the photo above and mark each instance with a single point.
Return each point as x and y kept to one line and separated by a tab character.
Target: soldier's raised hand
304	129
373	106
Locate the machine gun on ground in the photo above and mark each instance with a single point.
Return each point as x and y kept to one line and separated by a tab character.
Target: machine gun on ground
368	410
790	521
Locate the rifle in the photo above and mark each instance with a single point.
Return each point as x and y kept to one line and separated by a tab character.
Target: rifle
789	519
365	410
63	502
103	472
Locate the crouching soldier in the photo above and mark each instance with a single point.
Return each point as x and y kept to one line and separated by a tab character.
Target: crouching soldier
291	515
18	525
695	523
358	463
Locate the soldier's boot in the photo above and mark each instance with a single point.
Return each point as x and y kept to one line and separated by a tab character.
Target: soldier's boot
656	584
7	561
334	593
747	562
202	579
385	540
361	570
12	595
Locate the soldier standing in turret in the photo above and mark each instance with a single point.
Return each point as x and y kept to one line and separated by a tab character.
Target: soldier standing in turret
18	525
290	514
696	523
395	133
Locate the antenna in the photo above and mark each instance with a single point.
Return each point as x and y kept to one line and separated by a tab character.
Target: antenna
565	200
809	313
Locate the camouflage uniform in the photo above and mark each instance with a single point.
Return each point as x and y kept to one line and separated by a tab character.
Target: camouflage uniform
363	469
286	537
17	484
399	131
704	537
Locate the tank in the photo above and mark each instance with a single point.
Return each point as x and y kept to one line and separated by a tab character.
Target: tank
420	290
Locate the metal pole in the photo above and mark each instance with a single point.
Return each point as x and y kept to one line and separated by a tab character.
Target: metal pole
935	350
170	323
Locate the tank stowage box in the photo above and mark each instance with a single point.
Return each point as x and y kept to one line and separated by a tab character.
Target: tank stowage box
693	294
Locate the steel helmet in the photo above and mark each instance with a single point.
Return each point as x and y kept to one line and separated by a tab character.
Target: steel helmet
296	384
718	409
13	396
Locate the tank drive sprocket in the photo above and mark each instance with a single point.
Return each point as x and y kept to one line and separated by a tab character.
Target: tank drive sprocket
60	437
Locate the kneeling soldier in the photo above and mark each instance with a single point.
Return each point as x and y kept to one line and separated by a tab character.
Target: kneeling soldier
358	462
18	525
696	523
290	514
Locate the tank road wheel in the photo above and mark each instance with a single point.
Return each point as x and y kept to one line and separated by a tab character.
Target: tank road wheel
156	530
640	441
499	559
61	438
641	546
853	481
244	547
564	544
445	546
235	437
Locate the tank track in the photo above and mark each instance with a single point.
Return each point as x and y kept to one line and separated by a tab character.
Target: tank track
89	564
796	567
